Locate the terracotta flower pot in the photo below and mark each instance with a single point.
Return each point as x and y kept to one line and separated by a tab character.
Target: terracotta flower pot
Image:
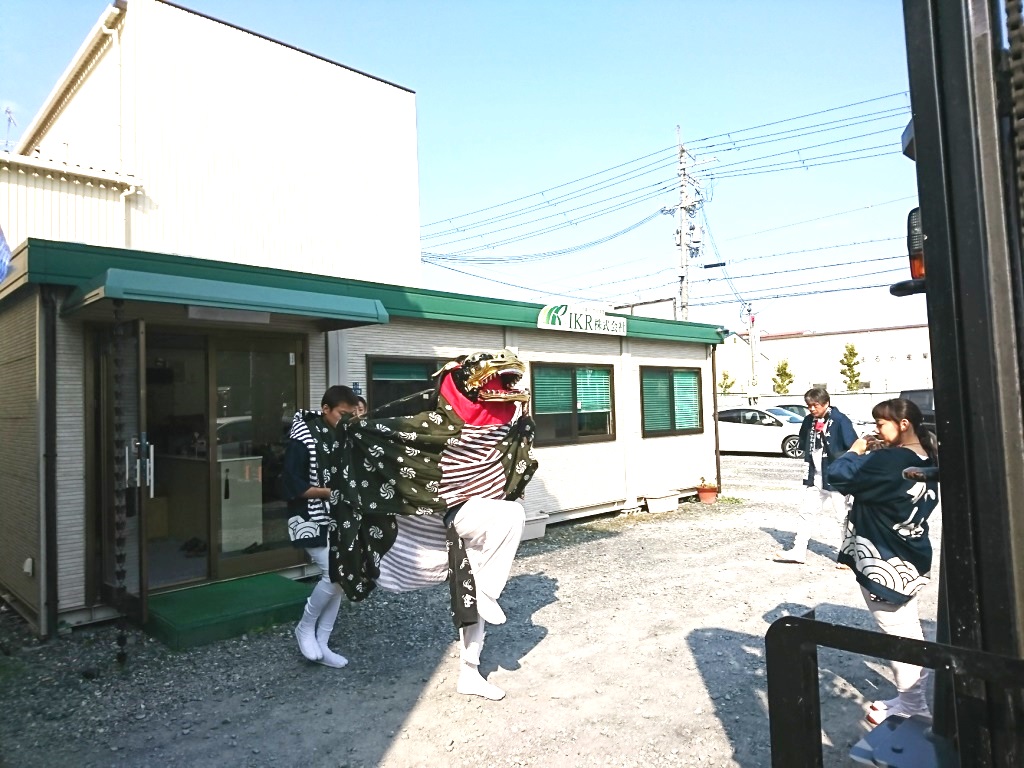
707	495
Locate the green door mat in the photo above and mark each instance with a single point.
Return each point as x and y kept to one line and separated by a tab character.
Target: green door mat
199	615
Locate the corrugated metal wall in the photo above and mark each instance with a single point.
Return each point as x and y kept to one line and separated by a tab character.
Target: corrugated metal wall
37	201
71	506
20	448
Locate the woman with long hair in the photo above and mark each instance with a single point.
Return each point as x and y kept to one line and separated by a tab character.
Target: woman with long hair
886	541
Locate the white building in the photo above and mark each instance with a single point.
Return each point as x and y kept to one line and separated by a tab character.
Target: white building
888	360
179	287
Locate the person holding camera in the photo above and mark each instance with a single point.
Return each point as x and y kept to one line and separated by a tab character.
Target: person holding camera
825	434
886	540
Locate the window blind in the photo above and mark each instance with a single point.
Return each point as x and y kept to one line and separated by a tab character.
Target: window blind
402	371
593	390
656	394
552	390
686	392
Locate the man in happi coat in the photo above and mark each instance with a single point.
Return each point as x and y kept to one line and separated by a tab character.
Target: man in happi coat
427	492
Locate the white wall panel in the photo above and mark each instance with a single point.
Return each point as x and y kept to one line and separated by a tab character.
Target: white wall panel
71	447
571	477
331	190
85	129
410	338
41	201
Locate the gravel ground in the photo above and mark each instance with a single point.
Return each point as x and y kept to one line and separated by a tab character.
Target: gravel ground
633	640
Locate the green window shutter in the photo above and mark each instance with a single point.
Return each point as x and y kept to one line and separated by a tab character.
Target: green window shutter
402	371
686	391
656	394
552	390
593	390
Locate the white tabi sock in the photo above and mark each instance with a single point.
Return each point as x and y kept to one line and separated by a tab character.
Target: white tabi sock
305	631
324	628
471	683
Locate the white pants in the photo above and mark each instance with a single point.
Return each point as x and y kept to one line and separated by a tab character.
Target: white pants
491	530
319	556
901	621
815	502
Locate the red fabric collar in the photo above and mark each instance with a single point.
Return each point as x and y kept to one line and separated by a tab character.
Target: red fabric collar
479	414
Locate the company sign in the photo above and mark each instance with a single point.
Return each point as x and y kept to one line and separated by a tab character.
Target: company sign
567	317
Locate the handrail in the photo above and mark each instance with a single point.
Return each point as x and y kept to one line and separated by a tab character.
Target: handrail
791	656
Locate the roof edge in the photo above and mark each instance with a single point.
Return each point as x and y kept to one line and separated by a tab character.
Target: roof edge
286	45
61	90
55	166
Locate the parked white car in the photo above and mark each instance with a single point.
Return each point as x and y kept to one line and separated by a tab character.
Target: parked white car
752	430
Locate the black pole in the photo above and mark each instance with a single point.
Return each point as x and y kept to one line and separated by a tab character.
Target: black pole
50	301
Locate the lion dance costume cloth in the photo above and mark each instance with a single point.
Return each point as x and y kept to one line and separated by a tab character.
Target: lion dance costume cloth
427	488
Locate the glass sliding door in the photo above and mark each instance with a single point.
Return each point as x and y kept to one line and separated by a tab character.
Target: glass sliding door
177	409
258	384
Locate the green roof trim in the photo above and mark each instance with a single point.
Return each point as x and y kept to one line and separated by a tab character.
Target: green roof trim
132	285
78	265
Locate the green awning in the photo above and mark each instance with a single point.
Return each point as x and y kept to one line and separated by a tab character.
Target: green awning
130	285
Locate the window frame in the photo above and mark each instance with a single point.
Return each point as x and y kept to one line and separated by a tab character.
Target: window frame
671	369
576	438
376	360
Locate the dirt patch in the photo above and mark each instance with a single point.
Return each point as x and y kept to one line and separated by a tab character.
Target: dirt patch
631	640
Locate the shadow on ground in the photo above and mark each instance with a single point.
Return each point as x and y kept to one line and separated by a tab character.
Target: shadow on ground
732	665
785	540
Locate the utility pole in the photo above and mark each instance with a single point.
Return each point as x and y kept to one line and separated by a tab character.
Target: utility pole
754	337
682	310
688	234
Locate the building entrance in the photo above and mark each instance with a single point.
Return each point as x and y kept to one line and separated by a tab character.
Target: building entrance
205	420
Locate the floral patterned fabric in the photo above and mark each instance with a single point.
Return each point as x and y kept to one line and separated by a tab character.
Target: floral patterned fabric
390	464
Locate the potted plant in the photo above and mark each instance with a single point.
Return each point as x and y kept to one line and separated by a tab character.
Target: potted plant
707	492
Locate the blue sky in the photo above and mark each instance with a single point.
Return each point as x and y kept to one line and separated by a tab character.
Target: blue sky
514	98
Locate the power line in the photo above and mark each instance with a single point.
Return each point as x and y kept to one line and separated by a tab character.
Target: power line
795	295
547	202
659	164
644	192
820	218
796	165
729	146
513	285
819	248
805	149
801	117
527	257
805	269
551	189
818	282
696	143
570	223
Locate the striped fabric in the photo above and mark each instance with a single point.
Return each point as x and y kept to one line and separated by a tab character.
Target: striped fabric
418	558
316	509
471	466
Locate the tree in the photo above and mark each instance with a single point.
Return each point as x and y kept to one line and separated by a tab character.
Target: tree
726	383
782	379
849	371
